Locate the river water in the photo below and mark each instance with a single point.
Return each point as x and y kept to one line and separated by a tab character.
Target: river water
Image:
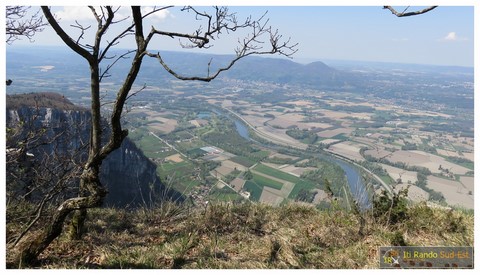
354	179
242	130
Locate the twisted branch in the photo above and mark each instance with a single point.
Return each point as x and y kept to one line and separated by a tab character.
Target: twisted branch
404	14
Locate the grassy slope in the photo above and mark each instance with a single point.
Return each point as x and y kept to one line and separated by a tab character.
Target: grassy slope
248	236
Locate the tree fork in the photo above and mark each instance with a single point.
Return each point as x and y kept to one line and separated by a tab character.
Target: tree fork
30	249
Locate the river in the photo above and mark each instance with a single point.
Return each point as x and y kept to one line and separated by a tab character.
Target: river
354	179
242	130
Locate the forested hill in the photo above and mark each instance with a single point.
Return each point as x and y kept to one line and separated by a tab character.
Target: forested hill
41	100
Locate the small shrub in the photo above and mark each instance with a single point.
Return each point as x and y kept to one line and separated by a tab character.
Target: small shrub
394	209
396	239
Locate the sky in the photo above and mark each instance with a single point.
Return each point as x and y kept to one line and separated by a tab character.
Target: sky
444	36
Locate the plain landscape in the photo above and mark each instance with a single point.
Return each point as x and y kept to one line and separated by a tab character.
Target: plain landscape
182	125
274	163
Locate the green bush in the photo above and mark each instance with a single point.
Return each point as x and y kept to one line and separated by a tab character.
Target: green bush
392	209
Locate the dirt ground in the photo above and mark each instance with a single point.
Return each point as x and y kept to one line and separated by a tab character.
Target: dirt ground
271	196
295	171
454	192
175	158
426	160
415	193
396	173
229	166
237	184
468	182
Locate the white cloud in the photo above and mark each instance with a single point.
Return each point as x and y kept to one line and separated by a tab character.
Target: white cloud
75	13
451	36
159	15
70	14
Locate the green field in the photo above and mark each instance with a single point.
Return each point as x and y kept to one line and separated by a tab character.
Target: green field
277	173
263	181
223	195
185	187
387	179
340	137
243	161
148	144
254	189
299	182
306	185
261	154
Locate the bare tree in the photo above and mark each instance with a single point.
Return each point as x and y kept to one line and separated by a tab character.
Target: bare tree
262	39
19	24
42	161
404	13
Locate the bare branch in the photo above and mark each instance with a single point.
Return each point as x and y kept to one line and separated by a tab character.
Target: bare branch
404	13
64	36
17	25
132	94
99	20
109	66
128	30
82	31
262	40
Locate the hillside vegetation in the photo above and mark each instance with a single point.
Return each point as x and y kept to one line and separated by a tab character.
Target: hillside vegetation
251	235
41	100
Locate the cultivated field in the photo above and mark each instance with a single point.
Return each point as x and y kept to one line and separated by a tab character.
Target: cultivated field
418	158
334	132
348	149
237	184
426	160
396	173
174	158
295	171
454	192
415	193
156	121
468	182
228	166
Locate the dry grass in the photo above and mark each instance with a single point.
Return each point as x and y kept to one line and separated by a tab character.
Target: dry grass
248	236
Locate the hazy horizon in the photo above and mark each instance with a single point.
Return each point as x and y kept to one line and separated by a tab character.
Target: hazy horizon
443	36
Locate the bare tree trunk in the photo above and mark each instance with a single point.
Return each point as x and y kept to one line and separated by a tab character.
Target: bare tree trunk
76	228
30	249
77	224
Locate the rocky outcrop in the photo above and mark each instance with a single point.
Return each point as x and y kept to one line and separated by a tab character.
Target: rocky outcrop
129	176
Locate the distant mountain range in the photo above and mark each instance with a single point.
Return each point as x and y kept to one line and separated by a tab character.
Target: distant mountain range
255	68
251	68
25	63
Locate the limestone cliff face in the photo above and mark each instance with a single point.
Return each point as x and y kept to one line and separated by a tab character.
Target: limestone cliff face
129	176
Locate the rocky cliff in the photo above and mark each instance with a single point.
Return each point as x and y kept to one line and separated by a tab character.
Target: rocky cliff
57	130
